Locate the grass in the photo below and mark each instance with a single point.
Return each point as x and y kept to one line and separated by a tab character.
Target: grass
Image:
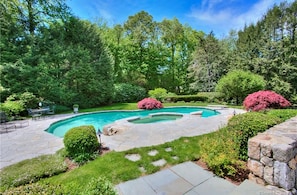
133	106
115	167
217	149
32	170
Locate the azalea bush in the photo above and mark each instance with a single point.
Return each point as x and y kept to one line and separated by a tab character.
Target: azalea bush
149	104
262	100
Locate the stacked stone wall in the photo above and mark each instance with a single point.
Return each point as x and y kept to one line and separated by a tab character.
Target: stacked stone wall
273	157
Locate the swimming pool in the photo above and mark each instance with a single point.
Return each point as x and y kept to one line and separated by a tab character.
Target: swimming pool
100	119
156	118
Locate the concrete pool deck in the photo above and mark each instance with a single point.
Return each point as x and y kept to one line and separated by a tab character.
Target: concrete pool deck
32	141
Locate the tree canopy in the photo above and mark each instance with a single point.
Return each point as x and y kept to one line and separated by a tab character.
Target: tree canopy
47	51
238	84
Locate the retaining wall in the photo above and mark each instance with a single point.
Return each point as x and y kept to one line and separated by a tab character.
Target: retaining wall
273	157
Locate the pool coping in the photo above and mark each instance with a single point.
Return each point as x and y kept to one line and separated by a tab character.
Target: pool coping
134	117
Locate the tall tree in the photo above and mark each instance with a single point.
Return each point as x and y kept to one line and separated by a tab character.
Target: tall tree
172	36
84	66
207	66
139	29
269	48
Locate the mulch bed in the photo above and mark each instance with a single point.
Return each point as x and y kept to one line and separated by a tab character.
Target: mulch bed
237	179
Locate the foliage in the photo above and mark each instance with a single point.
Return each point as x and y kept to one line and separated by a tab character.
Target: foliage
125	93
158	93
211	96
100	186
62	109
149	104
262	100
32	170
283	114
63	70
244	126
269	47
35	188
29	100
12	108
81	143
48	52
187	98
15	104
217	150
207	65
238	84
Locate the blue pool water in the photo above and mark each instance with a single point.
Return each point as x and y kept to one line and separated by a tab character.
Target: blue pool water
100	119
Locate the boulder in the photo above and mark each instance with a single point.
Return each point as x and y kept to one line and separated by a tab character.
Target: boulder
113	129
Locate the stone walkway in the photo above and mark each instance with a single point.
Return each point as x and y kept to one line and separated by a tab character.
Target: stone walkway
187	179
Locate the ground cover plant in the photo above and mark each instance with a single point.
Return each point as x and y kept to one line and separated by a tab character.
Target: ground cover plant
32	170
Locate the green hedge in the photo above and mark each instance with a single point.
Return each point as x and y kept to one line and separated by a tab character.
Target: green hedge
81	143
127	93
96	186
283	114
187	98
34	189
212	96
32	170
245	126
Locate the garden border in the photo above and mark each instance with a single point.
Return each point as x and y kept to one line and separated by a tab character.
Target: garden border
273	157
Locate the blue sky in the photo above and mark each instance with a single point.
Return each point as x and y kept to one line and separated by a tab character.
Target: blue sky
219	16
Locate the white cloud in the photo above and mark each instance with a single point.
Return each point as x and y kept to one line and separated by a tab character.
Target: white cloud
225	19
209	4
105	14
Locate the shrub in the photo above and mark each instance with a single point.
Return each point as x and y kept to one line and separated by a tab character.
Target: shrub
99	186
211	96
126	93
29	100
262	100
217	150
62	109
32	170
35	188
283	114
238	84
149	104
12	108
158	93
244	126
81	143
188	98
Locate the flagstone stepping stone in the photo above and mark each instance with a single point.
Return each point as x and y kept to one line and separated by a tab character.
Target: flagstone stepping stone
168	149
159	163
133	157
153	153
142	169
175	157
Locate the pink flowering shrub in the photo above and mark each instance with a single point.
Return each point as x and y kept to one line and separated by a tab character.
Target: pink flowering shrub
262	100
149	104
